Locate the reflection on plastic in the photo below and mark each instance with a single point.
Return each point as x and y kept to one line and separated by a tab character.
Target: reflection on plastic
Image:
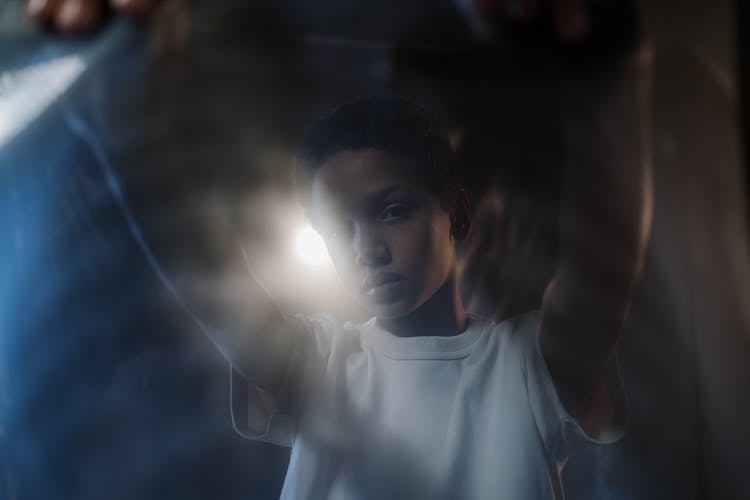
26	92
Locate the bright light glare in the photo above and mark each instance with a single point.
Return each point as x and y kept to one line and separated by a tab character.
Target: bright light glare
310	247
26	92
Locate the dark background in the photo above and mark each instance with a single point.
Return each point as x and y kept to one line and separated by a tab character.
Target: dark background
108	390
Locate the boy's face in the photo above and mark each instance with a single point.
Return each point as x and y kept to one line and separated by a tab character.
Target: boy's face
388	235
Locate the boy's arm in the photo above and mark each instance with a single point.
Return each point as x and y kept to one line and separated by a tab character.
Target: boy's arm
604	228
236	313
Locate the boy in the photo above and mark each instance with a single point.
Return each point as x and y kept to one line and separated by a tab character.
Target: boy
426	400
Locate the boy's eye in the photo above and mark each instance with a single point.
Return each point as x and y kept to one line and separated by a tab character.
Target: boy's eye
394	211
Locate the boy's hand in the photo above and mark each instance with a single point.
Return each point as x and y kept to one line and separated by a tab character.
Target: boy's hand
238	314
570	18
77	16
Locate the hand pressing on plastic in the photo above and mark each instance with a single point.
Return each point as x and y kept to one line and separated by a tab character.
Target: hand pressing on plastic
570	19
78	16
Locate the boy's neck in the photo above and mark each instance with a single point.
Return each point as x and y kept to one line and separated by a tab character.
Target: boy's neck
442	315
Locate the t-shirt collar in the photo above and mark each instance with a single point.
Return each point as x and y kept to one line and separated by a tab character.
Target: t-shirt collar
424	347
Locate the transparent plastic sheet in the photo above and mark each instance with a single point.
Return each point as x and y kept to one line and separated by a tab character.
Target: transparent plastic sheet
108	388
104	391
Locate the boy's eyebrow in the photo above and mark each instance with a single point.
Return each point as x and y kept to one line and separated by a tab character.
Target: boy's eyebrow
390	190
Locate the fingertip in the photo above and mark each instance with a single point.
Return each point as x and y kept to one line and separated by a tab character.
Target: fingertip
121	4
573	23
132	6
40	9
522	10
77	15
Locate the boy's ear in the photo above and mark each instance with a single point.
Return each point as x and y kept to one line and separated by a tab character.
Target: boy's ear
460	217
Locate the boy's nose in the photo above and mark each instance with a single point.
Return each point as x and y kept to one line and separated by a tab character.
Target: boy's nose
370	248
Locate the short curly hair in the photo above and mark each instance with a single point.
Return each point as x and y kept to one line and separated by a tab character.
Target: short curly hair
391	124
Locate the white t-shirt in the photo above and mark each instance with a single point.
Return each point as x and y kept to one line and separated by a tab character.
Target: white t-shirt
370	415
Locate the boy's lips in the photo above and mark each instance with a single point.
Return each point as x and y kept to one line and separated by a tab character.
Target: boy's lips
380	281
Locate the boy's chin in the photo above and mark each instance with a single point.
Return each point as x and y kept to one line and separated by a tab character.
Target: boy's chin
391	311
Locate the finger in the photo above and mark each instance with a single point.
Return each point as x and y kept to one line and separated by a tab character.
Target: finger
41	10
133	6
487	8
78	15
522	10
571	19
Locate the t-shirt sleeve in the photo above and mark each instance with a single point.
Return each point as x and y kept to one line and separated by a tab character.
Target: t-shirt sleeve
562	434
258	414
